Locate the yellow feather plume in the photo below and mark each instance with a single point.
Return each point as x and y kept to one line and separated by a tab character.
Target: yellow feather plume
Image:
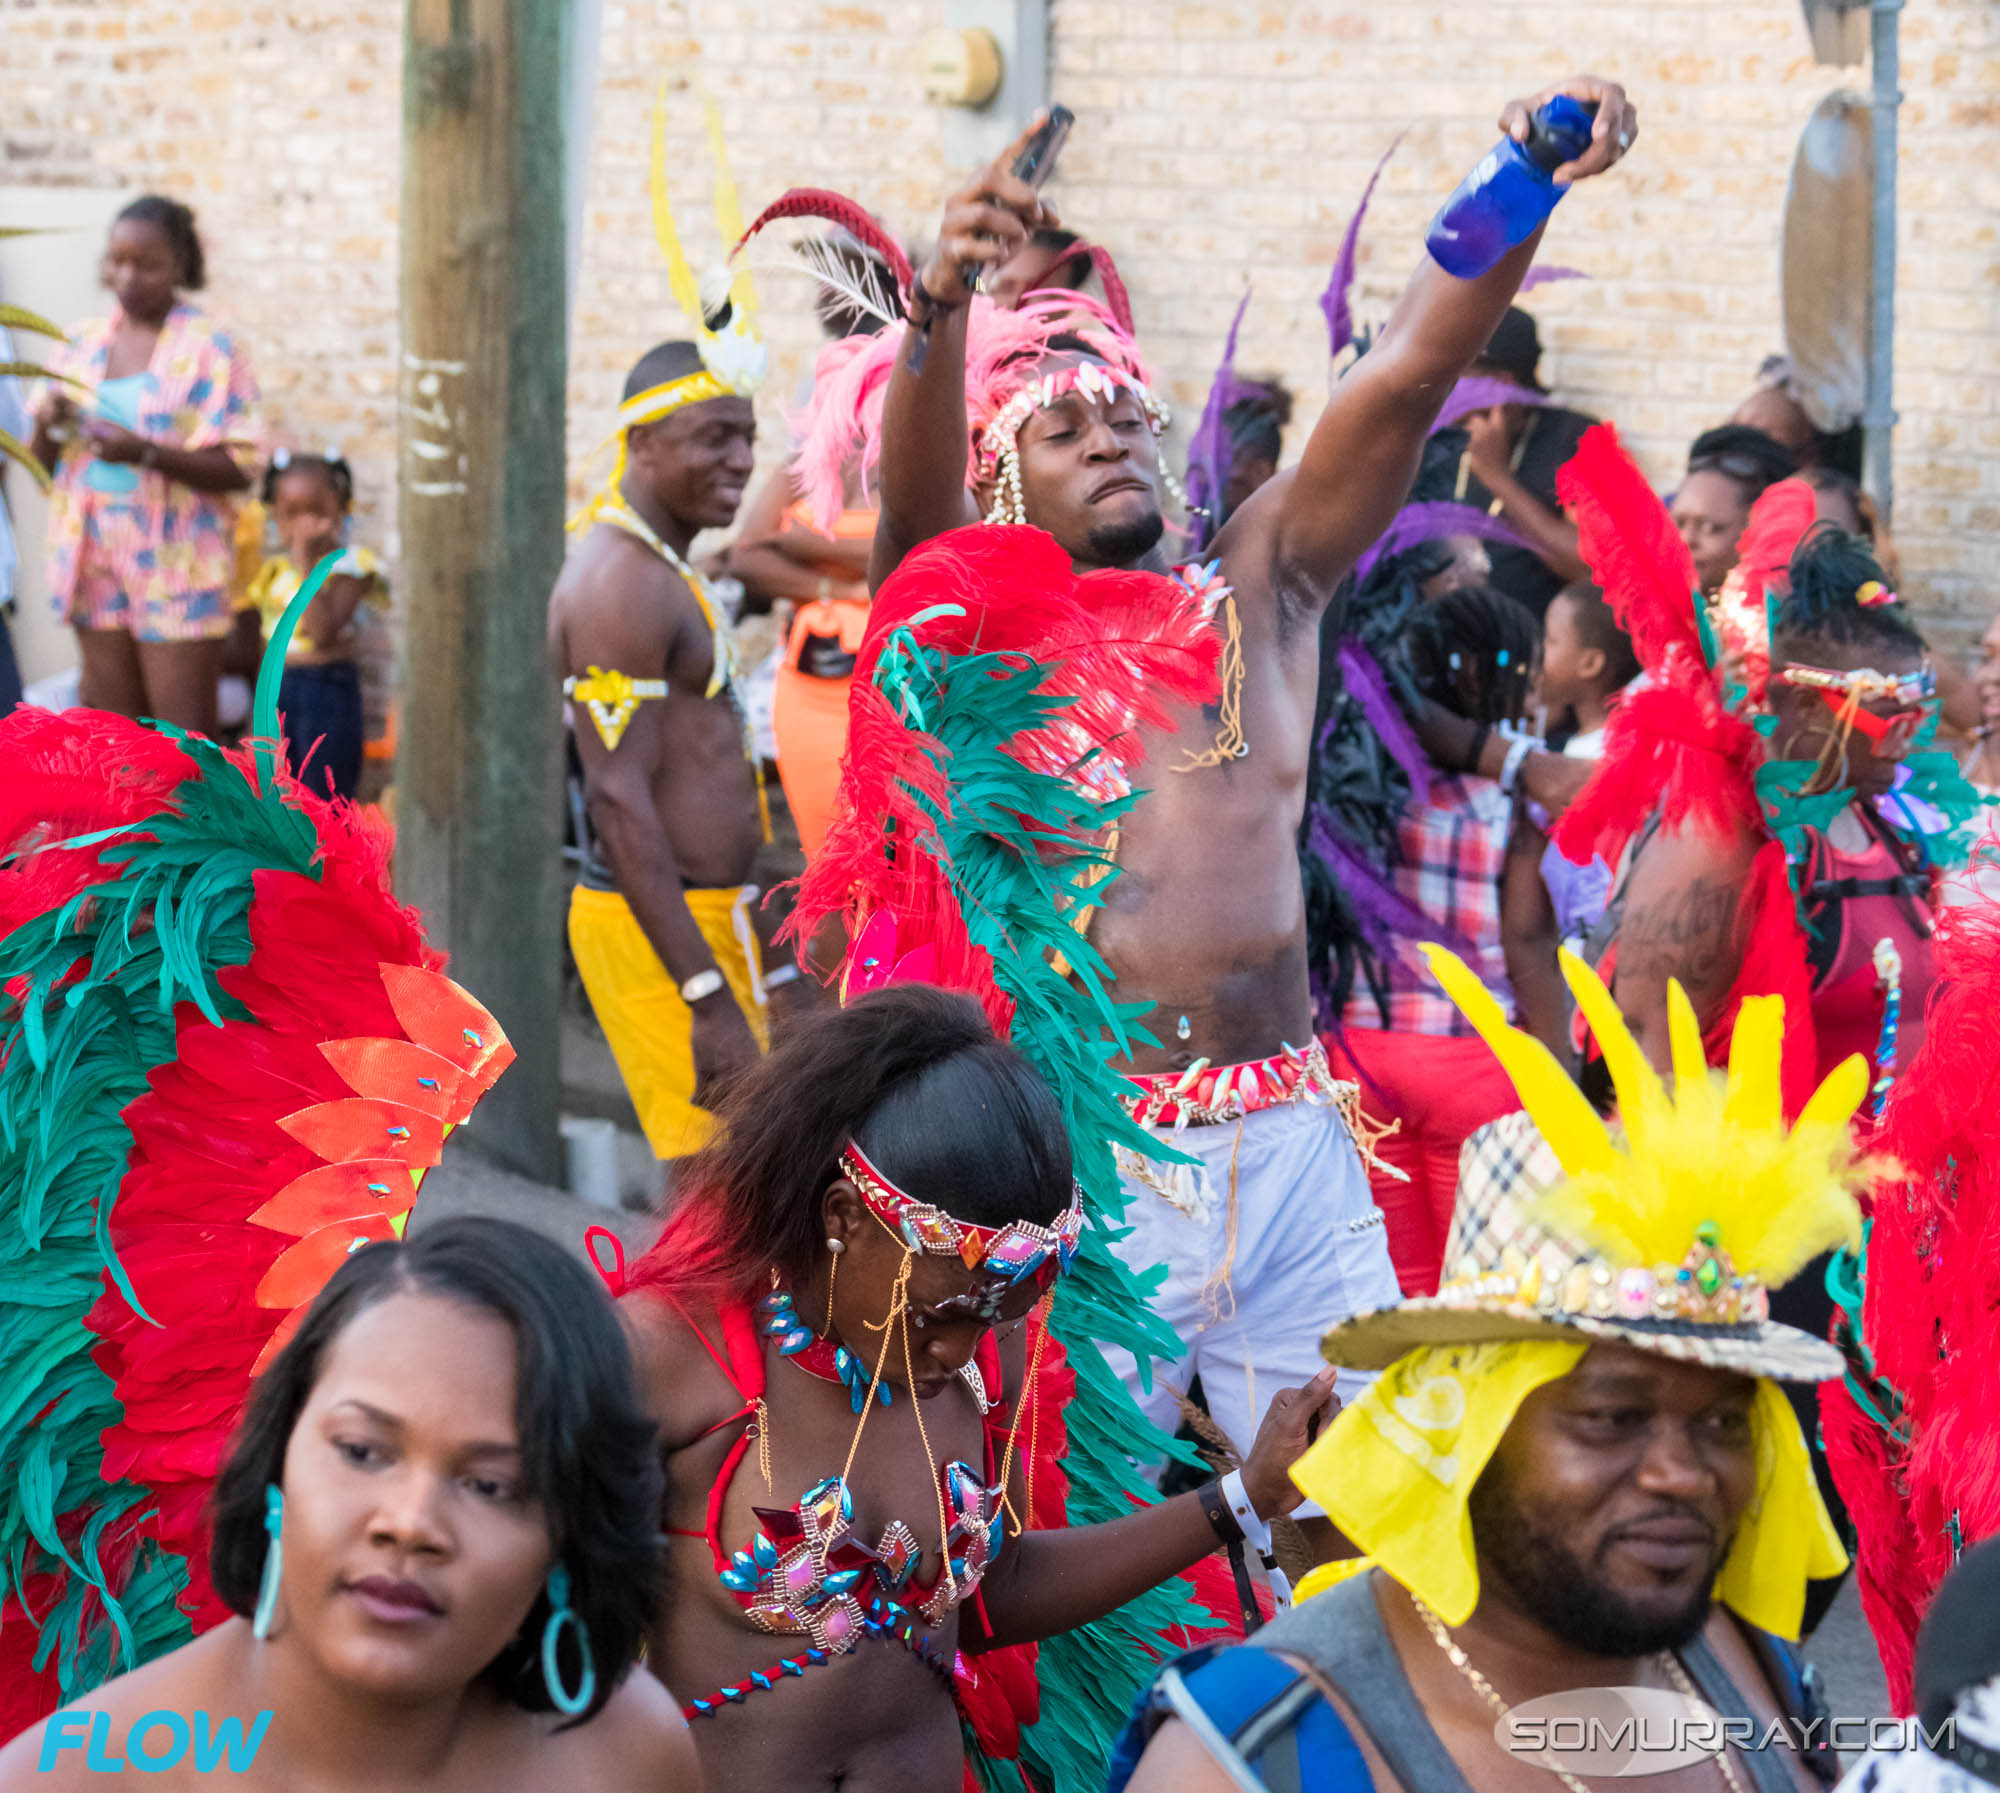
1715	1152
680	275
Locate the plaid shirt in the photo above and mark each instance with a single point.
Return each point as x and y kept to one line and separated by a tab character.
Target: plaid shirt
1454	850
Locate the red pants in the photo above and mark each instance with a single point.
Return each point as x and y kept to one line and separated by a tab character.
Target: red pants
1442	1088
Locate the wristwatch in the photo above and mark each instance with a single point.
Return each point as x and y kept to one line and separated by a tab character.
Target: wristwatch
702	985
149	456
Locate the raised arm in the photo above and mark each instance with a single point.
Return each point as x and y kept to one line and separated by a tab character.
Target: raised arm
1551	534
924	443
1311	523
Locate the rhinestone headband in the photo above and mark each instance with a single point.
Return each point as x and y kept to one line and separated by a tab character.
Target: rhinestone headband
1703	1289
1866	684
1007	1256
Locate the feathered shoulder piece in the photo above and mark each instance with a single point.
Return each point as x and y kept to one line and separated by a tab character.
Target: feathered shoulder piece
1714	1150
1918	1457
986	654
227	1058
1673	746
1759	580
1634	552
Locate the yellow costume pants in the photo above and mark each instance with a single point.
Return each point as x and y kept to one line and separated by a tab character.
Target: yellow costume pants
638	1002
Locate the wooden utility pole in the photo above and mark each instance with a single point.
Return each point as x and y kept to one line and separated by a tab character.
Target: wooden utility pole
485	354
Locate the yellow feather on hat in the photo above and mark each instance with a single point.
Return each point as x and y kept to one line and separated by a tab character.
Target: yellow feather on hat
1715	1154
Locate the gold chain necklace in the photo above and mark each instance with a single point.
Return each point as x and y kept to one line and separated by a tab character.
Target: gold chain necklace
1484	1688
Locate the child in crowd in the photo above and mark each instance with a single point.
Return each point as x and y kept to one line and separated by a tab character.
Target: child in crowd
1587	659
308	497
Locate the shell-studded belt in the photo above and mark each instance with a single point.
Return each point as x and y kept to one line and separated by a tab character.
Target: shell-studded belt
1202	1096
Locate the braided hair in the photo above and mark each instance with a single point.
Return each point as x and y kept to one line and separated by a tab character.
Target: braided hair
1256	419
1830	573
1473	650
332	465
175	222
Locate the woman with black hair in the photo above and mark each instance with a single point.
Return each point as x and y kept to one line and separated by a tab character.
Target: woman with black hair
1728	470
834	1334
436	1529
150	427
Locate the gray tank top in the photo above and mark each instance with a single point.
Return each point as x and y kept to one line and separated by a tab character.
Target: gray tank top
1341	1634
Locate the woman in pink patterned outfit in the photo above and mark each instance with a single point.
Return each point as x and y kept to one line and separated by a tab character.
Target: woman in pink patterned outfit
150	446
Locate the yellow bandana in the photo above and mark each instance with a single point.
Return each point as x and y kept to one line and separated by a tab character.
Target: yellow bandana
1395	1470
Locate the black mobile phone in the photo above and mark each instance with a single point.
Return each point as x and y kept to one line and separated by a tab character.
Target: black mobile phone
1037	162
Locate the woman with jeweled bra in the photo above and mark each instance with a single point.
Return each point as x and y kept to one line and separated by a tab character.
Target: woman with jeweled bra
833	1333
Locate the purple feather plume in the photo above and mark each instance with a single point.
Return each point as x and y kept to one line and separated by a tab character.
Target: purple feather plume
1362	676
1334	301
1549	276
1208	451
1384	915
1477	392
1428	522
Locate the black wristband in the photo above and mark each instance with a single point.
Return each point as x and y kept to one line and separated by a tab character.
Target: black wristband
1478	747
1215	1509
925	307
1246	1591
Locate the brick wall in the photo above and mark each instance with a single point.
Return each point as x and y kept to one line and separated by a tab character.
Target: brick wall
1216	142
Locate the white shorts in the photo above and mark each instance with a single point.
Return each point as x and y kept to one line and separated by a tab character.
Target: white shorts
1283	1239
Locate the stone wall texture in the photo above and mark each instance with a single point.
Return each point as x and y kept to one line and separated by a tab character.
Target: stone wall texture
1218	143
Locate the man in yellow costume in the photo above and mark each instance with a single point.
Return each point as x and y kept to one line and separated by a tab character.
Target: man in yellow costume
663	922
1579	1490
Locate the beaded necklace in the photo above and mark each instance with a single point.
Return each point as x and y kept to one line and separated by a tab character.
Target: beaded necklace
722	677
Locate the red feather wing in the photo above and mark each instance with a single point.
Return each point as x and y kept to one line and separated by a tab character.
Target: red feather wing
1632	547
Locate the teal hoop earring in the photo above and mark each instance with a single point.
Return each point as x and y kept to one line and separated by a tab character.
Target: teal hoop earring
561	1613
274	1562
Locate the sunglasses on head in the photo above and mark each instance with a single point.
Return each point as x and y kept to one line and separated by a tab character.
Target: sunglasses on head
1886	734
1846	694
1736	466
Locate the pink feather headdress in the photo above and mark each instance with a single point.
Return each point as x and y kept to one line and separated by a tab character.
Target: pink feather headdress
842	423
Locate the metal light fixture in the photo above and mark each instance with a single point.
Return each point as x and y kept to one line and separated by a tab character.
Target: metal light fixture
985	67
1839	31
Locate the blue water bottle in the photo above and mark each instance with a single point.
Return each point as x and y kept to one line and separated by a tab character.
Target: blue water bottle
1500	202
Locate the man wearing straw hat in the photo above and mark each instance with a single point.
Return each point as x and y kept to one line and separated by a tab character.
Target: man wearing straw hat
1576	1482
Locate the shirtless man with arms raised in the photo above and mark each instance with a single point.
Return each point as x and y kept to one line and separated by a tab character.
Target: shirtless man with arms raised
662	927
1277	1236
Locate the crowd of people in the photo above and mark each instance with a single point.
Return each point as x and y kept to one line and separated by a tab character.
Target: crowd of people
1337	1132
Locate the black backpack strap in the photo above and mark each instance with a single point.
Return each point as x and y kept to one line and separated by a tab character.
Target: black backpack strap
1802	1700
